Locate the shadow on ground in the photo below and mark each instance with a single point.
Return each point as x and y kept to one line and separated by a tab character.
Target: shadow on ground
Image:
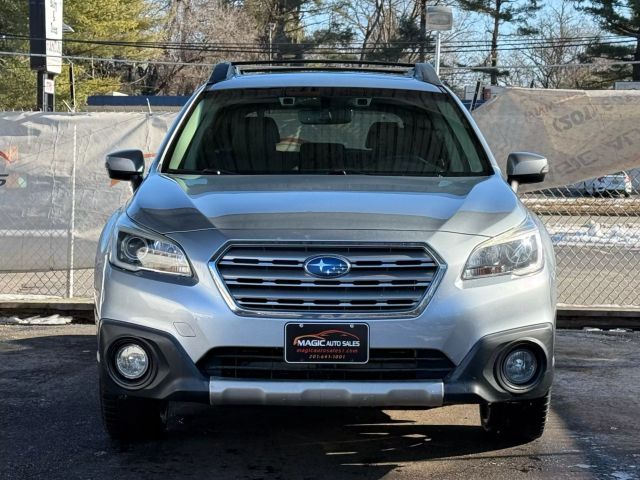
50	428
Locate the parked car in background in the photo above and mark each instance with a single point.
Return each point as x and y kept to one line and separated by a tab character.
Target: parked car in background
339	237
614	184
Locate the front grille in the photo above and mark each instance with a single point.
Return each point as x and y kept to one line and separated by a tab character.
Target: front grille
382	279
259	363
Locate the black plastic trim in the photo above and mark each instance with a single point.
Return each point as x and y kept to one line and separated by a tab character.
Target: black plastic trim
424	72
474	380
175	376
221	72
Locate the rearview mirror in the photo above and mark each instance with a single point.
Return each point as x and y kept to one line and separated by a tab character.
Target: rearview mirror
525	167
126	165
325	116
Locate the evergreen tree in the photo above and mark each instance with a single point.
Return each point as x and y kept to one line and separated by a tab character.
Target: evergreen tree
95	20
620	17
514	12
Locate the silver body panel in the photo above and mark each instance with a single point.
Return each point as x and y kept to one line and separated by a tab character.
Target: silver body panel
458	314
203	214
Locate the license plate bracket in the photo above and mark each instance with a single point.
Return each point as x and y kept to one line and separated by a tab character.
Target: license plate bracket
336	343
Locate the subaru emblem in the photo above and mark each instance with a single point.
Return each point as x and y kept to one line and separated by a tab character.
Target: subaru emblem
327	266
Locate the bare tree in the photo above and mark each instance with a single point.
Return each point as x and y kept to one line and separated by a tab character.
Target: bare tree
203	30
557	42
390	29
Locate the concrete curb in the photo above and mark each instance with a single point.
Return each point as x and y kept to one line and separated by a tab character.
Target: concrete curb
597	317
571	317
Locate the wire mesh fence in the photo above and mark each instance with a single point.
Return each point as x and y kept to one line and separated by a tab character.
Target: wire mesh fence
595	228
54	212
594	225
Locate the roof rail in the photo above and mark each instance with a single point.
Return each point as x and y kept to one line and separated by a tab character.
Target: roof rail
300	61
426	73
221	72
423	72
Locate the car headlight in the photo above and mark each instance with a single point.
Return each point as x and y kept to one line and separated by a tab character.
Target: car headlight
517	252
138	251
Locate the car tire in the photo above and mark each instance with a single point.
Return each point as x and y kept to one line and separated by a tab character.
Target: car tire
521	421
627	194
127	418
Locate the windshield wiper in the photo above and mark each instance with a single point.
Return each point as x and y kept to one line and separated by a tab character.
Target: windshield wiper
204	171
218	171
347	171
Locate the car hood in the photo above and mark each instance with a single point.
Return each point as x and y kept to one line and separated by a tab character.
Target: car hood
469	205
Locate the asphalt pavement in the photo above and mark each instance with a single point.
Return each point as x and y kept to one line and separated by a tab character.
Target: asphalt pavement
50	426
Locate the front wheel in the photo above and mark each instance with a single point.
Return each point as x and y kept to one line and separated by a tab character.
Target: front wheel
127	418
521	421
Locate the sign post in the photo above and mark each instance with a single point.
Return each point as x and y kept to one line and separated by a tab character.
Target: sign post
440	19
45	31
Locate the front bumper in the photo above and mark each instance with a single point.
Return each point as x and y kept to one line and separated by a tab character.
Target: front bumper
326	394
176	376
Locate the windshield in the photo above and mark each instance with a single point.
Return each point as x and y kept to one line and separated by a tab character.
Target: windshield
327	131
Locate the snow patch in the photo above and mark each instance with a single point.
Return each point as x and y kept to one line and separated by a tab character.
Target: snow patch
36	320
593	233
623	476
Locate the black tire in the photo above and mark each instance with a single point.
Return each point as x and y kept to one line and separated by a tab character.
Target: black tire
521	421
627	194
126	418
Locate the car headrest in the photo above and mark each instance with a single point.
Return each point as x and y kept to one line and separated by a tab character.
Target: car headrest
321	156
382	133
260	132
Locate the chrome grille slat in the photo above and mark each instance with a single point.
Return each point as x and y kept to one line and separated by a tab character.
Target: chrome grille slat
301	254
322	308
240	283
312	295
271	278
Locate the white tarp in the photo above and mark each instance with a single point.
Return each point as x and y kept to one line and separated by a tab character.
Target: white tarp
39	153
584	134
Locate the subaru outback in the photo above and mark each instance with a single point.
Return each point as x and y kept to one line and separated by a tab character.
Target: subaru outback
316	235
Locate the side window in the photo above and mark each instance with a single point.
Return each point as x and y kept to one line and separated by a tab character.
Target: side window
463	151
186	136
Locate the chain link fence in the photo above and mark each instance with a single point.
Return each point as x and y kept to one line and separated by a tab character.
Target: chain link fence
596	238
595	228
53	216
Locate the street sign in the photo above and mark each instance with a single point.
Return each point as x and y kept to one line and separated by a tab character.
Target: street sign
45	26
626	86
439	18
49	86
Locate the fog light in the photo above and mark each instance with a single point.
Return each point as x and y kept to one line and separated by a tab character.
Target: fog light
520	366
132	361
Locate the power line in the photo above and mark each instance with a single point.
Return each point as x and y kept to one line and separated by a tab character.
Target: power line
201	46
112	60
558	65
459	68
259	50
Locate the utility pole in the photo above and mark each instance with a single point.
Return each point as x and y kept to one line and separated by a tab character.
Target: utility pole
45	31
423	30
72	86
271	27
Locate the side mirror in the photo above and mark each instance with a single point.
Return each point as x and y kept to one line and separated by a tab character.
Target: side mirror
126	165
525	167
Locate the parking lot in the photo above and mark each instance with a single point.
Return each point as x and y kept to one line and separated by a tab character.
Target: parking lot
50	426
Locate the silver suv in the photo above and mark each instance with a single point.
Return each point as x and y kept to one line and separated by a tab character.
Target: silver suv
325	236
